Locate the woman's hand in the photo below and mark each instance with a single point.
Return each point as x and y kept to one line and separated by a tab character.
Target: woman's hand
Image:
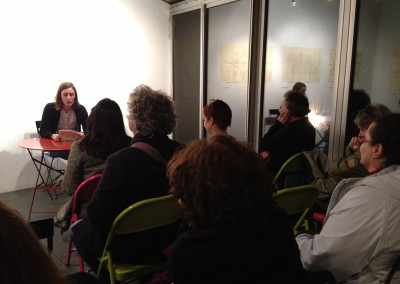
55	137
354	144
284	117
265	155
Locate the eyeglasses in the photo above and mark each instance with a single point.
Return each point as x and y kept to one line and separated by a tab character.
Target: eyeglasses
363	140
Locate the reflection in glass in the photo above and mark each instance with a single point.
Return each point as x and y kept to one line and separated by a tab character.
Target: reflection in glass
227	60
301	46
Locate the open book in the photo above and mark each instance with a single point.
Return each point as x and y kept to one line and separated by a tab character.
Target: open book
69	135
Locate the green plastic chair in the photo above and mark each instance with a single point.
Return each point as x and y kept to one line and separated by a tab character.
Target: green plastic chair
139	217
296	163
297	200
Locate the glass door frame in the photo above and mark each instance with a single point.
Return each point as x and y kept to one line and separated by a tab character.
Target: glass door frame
257	57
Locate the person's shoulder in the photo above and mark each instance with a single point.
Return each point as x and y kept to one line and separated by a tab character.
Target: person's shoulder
50	106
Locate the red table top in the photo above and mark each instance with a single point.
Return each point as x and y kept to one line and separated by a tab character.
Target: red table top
45	144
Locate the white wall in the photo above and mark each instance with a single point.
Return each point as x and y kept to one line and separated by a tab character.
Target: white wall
106	48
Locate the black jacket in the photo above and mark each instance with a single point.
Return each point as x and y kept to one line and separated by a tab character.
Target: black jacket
283	141
51	116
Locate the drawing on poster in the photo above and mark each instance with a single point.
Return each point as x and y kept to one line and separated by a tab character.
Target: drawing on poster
270	60
301	64
394	84
234	63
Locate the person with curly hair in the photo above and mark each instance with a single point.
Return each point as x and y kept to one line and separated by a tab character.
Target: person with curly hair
131	175
236	232
217	116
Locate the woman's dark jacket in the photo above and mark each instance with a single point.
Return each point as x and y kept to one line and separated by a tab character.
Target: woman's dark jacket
51	116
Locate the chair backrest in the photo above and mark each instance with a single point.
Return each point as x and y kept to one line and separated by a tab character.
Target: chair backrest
85	192
297	200
294	172
37	123
147	214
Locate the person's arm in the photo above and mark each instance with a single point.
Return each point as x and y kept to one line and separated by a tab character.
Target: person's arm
268	138
73	176
48	121
82	117
349	237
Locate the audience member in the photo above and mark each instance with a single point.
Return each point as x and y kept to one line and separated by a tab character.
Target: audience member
300	87
105	135
328	174
237	234
217	116
131	175
360	239
358	100
64	113
23	259
292	133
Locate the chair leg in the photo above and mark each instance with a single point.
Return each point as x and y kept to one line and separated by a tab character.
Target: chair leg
33	199
81	264
69	252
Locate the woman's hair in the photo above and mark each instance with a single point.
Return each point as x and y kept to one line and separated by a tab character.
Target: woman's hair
220	112
297	103
23	258
58	100
298	85
105	132
386	131
151	112
369	114
224	185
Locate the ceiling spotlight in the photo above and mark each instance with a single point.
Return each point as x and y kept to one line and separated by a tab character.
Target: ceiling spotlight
293	3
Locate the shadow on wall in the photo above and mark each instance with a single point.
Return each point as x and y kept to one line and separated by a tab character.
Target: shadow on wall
18	171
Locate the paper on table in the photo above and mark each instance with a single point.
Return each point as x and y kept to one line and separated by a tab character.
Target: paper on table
69	135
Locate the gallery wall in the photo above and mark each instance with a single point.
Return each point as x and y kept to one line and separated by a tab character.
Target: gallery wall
106	48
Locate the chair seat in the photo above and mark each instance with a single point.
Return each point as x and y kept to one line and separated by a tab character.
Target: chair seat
125	272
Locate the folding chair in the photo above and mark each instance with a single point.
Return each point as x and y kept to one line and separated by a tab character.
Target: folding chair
44	229
143	216
294	172
297	200
83	193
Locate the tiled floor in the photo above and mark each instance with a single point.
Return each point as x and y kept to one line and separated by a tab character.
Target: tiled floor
20	200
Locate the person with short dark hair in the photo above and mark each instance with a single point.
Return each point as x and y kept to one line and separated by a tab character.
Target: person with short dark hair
217	116
292	133
236	233
300	87
131	175
360	239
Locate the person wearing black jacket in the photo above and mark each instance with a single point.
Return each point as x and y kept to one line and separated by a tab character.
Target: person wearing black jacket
292	133
129	176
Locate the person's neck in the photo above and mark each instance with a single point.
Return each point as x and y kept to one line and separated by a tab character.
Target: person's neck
217	131
67	109
295	118
376	167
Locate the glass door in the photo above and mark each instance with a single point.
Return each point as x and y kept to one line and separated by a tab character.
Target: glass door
301	47
227	50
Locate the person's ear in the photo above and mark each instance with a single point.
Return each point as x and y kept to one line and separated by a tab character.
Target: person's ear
211	120
378	151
